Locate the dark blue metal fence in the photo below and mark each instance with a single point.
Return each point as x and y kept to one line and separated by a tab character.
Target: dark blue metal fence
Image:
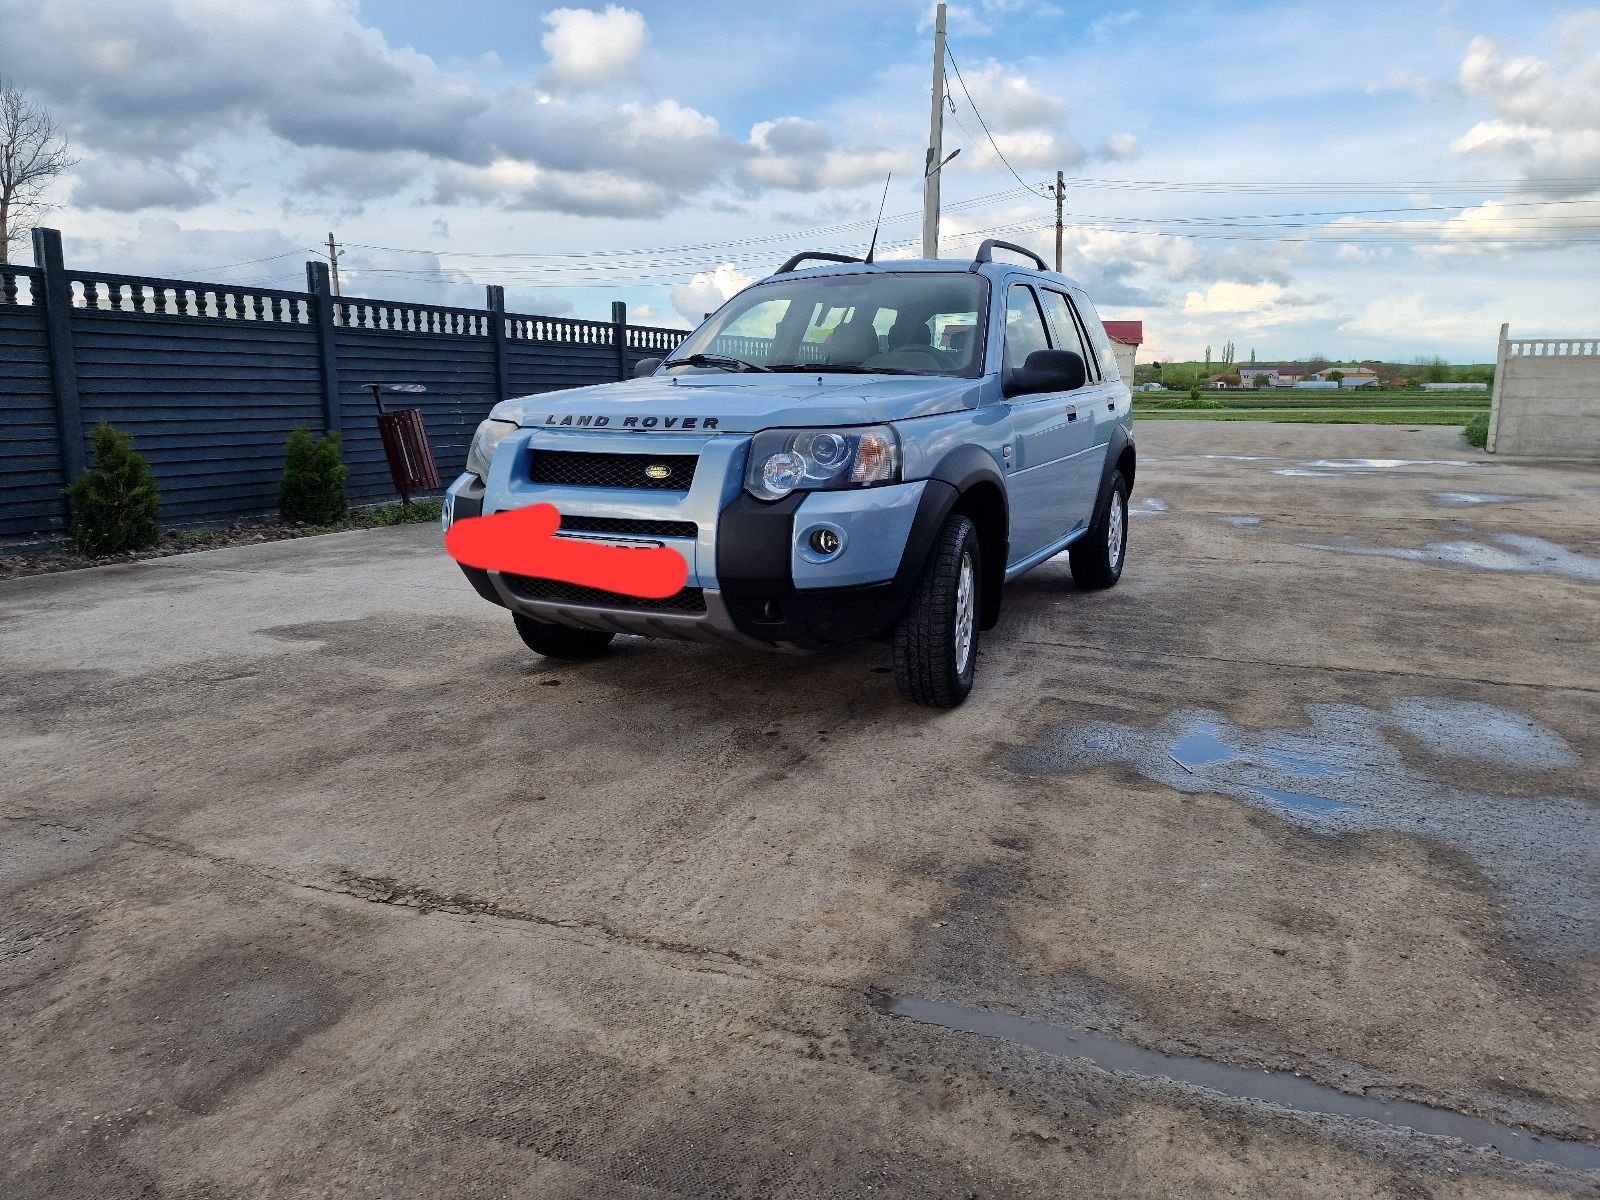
211	378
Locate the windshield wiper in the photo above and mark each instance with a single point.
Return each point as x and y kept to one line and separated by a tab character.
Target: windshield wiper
715	360
840	369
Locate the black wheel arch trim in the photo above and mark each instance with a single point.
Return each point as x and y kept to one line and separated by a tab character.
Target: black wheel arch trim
1121	440
964	468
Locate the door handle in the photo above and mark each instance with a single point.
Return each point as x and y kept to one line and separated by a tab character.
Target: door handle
1112	405
1072	414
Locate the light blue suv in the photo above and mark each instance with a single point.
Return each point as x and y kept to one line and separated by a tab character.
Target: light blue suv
853	450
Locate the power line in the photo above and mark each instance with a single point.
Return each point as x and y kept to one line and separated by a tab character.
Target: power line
250	262
982	122
1342	187
794	235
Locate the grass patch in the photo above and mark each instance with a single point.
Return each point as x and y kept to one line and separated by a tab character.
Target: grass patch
1315	416
418	512
1477	430
1387	408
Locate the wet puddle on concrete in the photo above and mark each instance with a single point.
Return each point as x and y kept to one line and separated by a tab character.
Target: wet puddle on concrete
1283	1089
1384	464
1472	499
1241	522
1348	772
1205	747
1149	505
1336	468
1516	553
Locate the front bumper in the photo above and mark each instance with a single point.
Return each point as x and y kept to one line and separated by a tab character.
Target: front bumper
753	577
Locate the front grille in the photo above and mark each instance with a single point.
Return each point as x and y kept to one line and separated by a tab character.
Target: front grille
573	468
633	525
690	600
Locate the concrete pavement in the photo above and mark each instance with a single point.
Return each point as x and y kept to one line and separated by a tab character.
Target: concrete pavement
314	882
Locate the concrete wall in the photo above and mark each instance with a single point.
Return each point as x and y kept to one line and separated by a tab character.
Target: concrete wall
1546	397
1124	354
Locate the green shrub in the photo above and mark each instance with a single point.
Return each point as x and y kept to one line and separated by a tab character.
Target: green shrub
114	504
313	479
1477	430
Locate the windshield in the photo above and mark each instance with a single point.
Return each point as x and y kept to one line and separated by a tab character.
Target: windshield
869	323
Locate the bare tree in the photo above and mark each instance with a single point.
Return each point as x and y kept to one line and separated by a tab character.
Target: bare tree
33	153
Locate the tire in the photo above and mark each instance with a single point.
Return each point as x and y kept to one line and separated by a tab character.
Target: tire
561	641
1097	556
933	662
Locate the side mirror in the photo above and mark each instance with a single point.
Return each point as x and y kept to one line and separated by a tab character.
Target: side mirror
1047	371
646	366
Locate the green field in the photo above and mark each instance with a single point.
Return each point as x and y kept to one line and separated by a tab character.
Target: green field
1387	408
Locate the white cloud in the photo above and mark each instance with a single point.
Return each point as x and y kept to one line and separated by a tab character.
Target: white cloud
1259	299
1101	26
1007	99
707	290
129	185
593	49
1119	147
1546	114
802	155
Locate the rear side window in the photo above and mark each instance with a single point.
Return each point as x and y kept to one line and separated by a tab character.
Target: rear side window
1064	327
1024	326
1097	336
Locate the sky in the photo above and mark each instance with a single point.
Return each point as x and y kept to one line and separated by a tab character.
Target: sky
1362	180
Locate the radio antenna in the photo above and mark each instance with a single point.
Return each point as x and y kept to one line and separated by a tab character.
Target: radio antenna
879	221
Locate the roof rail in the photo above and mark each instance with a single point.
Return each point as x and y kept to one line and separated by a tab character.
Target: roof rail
990	245
819	254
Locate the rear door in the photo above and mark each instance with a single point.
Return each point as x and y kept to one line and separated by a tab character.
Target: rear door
1048	438
1115	402
1090	403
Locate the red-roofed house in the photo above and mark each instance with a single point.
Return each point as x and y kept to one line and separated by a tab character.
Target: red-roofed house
1126	337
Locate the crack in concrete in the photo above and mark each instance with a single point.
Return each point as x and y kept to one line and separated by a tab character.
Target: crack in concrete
390	893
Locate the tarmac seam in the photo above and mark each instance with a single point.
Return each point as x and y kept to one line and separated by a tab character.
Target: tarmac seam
389	893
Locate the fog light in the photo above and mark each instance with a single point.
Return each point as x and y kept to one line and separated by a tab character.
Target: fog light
825	542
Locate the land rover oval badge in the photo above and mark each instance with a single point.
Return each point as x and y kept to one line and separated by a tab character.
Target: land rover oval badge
658	470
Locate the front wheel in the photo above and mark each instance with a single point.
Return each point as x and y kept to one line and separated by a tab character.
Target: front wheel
936	642
1097	556
561	641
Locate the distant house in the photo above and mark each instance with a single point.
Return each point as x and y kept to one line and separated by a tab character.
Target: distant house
1350	377
1126	338
1279	375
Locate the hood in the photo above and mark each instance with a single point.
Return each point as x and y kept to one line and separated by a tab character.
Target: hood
742	403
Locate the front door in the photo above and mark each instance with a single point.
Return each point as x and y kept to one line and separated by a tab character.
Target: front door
1049	436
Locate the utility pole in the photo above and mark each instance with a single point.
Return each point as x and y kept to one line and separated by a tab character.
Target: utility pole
333	262
931	172
1061	196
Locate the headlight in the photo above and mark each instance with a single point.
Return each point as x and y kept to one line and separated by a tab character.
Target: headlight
481	454
787	460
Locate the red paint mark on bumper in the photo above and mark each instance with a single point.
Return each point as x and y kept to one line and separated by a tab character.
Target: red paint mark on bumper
523	541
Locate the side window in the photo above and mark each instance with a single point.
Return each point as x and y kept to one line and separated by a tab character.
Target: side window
1097	336
1024	326
1064	327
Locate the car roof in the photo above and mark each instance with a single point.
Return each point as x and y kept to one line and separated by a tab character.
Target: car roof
948	266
